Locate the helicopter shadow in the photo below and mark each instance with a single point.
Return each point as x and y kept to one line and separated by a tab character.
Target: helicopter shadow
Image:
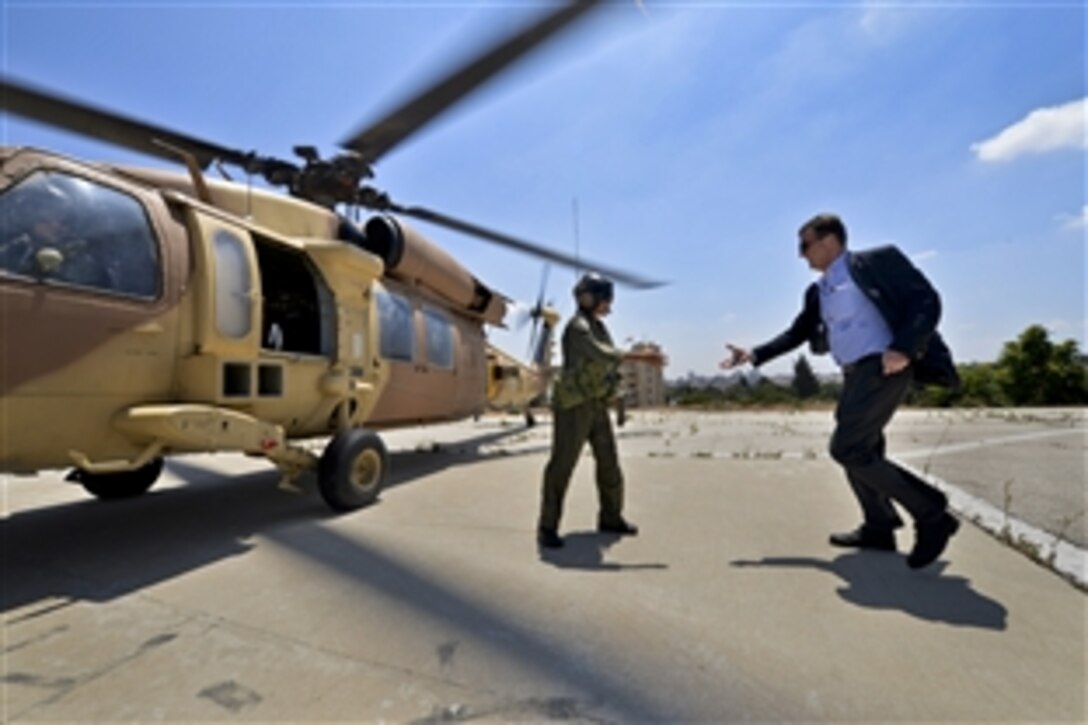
96	551
586	550
874	582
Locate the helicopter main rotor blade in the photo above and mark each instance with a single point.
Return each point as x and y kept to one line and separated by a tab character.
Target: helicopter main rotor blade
427	215
81	118
378	138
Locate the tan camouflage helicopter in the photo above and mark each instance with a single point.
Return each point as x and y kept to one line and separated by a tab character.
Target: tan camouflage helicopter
513	386
145	312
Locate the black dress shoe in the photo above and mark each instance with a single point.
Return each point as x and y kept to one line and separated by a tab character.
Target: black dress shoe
620	526
931	540
548	538
865	538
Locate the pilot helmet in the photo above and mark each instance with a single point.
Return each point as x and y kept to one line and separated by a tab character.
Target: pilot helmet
592	289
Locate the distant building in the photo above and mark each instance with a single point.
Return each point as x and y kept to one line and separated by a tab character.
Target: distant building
644	380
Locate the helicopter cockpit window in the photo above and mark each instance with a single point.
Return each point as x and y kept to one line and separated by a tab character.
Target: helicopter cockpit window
439	336
233	285
63	229
397	333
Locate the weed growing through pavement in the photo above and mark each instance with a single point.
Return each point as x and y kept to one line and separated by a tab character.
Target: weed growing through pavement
1066	522
1006	531
1032	549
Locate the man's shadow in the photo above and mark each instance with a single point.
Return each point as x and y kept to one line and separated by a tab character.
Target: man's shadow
883	581
586	550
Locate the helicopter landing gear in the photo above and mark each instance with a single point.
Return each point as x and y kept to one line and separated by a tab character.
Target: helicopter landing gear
121	484
353	469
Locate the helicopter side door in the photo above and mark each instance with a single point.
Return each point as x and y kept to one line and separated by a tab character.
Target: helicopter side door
92	271
264	322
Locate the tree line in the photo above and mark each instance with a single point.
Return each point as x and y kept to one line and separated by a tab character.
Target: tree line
1031	370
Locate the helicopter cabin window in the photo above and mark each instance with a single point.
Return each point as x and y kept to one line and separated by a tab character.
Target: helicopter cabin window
66	230
397	333
296	311
439	336
233	284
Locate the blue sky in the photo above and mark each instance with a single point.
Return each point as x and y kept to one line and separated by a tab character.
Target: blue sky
693	137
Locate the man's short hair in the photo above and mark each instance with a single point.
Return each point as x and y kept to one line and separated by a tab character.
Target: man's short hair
824	224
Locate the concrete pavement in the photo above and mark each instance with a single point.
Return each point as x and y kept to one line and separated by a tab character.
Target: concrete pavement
218	597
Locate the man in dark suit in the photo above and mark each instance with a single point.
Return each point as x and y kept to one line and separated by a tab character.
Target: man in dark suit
877	315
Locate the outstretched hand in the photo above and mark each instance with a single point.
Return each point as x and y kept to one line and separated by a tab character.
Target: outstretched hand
894	362
737	356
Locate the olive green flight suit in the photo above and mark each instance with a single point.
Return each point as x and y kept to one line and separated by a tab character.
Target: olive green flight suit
588	381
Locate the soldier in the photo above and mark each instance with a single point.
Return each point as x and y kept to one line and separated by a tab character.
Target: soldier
33	219
585	387
38	214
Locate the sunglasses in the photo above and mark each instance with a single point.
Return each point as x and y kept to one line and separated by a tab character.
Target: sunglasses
804	245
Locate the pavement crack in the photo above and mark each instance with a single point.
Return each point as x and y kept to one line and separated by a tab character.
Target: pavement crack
62	686
36	639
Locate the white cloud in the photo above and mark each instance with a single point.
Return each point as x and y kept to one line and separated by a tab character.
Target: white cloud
1074	222
1042	130
926	254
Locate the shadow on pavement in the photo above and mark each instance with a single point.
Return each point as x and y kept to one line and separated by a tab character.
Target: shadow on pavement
382	570
93	551
98	550
881	581
585	550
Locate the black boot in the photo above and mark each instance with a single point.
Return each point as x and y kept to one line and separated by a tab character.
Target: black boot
932	539
548	538
865	538
619	526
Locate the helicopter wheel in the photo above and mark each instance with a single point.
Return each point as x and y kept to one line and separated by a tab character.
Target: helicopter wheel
352	469
123	484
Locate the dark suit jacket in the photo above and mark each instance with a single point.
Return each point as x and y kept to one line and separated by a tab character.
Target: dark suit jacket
907	302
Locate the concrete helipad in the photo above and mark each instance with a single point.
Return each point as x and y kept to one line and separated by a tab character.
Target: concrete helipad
218	597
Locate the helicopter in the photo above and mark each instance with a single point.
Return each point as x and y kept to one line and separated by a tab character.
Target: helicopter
149	312
512	385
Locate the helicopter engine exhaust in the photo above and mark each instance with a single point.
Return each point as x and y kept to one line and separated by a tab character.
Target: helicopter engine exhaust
409	256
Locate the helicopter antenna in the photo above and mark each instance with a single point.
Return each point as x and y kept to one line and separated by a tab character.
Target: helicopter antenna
577	240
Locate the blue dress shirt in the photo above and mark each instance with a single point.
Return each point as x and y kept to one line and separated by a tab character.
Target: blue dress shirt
855	327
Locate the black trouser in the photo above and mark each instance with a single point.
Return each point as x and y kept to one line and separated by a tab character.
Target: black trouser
869	399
